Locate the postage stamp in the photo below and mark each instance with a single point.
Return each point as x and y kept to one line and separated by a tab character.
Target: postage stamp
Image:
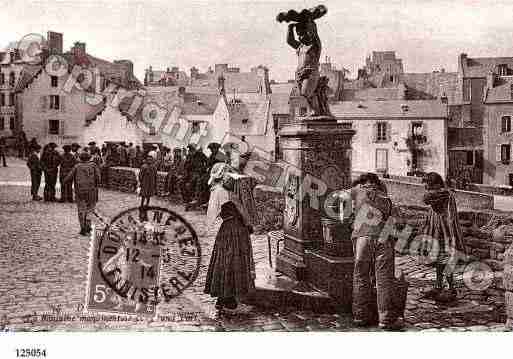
140	259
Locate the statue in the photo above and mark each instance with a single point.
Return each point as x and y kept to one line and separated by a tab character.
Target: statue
308	47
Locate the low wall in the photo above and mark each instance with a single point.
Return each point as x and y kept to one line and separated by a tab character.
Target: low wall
412	194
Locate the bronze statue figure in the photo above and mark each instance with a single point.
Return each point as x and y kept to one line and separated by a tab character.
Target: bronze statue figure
308	47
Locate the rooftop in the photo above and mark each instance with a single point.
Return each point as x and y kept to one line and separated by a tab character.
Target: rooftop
389	109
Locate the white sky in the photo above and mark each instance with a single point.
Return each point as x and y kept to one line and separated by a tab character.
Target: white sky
427	35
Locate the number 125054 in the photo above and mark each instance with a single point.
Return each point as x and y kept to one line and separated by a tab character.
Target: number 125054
31	353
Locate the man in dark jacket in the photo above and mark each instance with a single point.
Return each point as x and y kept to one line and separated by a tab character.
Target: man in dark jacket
68	162
50	161
86	179
36	170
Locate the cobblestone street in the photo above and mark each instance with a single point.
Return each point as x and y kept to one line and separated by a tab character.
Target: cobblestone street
44	265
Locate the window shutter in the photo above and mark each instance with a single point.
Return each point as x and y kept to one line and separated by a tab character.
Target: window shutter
46	127
43	103
375	132
499	125
498	156
61	127
62	100
389	131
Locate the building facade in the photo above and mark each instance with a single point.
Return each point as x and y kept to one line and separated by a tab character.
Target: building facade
400	138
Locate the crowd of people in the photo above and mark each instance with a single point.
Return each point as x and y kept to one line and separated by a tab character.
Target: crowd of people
187	171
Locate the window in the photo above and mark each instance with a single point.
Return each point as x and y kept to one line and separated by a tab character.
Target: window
302	111
2	99
381	160
12	123
54	81
505	153
195	127
12	78
11	99
470	158
503	70
381	134
2	78
505	124
53	127
55	102
392	78
245	120
2	124
511	179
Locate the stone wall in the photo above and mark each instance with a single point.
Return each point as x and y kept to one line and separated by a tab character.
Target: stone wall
408	193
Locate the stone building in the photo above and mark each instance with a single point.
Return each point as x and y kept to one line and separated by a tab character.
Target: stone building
398	137
56	106
498	132
17	67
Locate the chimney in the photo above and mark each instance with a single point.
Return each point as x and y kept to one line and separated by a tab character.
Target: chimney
55	42
79	49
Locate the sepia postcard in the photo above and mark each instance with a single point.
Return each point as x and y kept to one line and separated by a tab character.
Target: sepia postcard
254	166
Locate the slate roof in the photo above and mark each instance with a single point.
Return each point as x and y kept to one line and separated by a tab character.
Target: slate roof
115	73
501	93
429	86
246	82
388	109
257	115
388	93
481	66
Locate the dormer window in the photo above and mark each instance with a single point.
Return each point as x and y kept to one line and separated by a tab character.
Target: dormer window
502	70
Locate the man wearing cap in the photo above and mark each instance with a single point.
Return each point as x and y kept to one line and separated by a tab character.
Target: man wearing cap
92	147
74	150
50	161
68	162
36	170
86	179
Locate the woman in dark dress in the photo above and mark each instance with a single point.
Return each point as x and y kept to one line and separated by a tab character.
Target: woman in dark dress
443	230
230	274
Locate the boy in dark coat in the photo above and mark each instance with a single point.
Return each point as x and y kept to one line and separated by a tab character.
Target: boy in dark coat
147	184
36	170
68	162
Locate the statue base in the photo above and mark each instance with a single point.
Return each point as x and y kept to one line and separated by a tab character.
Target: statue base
318	150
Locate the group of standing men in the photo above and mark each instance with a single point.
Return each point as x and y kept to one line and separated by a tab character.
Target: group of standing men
74	169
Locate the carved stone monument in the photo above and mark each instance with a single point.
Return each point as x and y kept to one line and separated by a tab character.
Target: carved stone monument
319	150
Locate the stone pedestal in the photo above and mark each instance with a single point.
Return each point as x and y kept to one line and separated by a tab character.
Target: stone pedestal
318	151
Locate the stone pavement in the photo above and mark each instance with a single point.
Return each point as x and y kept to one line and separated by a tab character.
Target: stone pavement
44	263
